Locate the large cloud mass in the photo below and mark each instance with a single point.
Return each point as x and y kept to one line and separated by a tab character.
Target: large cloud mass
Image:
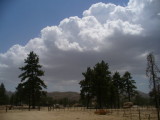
120	35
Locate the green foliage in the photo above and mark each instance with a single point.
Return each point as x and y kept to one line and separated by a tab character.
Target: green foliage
31	87
4	99
118	88
141	101
46	100
87	86
102	80
106	90
129	85
64	102
96	84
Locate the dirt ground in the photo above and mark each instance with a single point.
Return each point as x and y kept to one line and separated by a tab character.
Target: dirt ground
55	115
78	114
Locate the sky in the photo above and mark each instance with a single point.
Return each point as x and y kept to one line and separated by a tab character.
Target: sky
70	36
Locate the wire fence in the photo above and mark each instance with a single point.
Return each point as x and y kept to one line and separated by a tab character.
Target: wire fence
139	113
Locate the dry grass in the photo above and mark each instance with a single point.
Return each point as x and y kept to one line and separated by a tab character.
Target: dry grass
71	114
77	114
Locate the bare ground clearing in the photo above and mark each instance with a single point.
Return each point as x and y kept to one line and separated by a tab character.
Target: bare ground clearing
76	114
55	115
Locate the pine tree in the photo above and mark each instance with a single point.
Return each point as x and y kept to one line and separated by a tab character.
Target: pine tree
87	86
118	86
31	82
96	84
153	73
101	84
3	97
129	85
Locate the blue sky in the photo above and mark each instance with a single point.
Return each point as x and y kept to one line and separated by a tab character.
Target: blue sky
22	20
71	36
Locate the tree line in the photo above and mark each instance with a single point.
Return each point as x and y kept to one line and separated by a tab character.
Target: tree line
4	98
99	86
105	89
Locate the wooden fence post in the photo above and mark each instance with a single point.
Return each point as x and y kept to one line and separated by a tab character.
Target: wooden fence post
139	114
149	117
6	108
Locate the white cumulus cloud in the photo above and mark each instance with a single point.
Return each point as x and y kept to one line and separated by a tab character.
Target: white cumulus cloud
120	35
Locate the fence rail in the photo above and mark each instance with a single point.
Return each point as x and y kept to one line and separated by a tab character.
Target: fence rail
139	113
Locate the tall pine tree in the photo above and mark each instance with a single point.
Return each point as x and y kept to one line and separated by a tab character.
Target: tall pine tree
118	86
153	73
129	85
31	82
3	96
101	83
87	86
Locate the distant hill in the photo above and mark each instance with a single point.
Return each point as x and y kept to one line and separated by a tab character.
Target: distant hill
71	95
59	95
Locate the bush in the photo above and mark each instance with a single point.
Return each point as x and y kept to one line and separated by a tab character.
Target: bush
101	112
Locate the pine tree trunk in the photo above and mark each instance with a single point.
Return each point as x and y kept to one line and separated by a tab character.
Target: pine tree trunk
154	87
29	102
118	101
33	99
